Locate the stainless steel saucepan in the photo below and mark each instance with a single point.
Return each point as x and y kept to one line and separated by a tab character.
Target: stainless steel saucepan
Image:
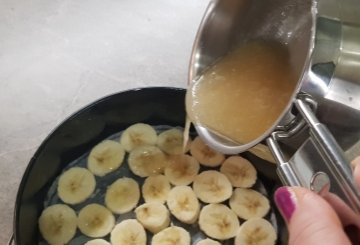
323	39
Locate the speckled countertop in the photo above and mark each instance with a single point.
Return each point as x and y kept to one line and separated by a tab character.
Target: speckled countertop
57	56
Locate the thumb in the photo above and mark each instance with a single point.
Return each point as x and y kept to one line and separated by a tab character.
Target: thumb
310	219
356	165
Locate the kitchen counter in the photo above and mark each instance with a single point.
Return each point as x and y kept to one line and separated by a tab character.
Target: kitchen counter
58	56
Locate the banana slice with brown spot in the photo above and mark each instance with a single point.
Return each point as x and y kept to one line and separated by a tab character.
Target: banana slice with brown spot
156	188
171	141
218	221
247	203
105	157
172	235
76	185
153	216
95	220
182	169
138	134
212	187
239	171
123	195
57	224
256	231
128	232
147	160
204	154
183	204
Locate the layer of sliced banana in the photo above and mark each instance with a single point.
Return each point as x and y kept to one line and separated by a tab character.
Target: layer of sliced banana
204	154
153	216
156	189
136	135
167	173
182	169
127	232
76	185
122	196
105	157
95	220
172	235
183	204
57	224
256	231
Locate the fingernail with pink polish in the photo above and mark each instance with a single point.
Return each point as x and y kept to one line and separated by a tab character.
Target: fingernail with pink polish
286	202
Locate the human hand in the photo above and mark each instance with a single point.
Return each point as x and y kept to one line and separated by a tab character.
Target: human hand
311	220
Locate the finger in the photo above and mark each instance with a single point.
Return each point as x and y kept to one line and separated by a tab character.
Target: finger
346	215
349	219
310	219
356	165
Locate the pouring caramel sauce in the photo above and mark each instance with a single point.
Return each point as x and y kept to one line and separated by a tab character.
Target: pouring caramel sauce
243	94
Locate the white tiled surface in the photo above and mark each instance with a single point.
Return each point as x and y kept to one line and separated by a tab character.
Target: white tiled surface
57	56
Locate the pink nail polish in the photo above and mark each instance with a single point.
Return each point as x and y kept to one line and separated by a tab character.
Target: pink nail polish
286	202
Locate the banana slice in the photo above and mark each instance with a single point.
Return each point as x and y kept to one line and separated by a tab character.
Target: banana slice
186	136
147	160
218	221
122	196
256	231
171	141
204	154
105	157
128	232
76	185
153	216
156	189
172	235
183	204
239	171
208	241
182	169
263	152
212	187
137	135
97	242
57	224
247	203
95	220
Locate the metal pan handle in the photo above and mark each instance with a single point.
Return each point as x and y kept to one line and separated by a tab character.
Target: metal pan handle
319	163
333	155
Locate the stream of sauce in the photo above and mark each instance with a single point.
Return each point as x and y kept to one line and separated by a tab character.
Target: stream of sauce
244	93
